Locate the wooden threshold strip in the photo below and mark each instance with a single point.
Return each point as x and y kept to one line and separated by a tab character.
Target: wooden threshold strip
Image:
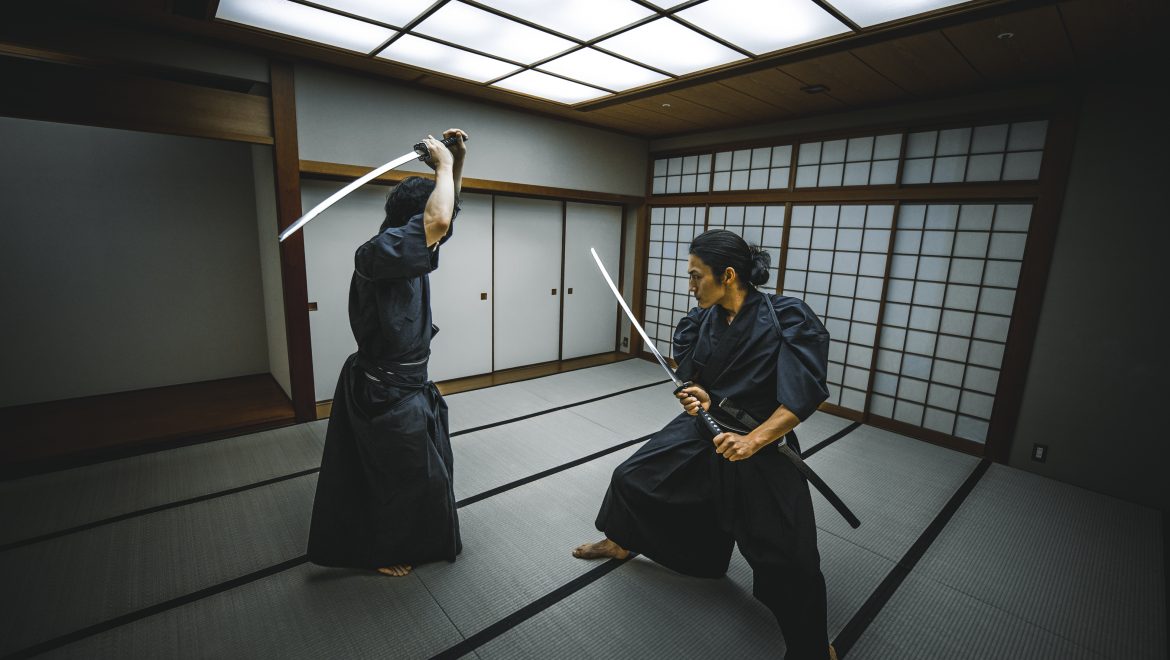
456	385
58	434
342	172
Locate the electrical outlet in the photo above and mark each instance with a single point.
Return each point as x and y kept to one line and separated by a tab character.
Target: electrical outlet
625	342
1039	453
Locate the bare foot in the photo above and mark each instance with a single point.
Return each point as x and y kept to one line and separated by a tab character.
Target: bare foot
601	549
832	653
396	571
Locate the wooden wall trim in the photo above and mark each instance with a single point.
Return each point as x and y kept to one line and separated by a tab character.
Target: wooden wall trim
638	300
934	192
293	279
343	172
1038	251
51	91
933	437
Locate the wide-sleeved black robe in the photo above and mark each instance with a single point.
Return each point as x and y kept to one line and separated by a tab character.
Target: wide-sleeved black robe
683	505
384	494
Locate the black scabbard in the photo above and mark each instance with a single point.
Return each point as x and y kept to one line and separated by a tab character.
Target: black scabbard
789	453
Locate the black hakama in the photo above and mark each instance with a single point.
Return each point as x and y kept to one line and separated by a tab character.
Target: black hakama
385	492
681	504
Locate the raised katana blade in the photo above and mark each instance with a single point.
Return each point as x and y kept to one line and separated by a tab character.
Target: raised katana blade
420	152
712	426
630	315
332	199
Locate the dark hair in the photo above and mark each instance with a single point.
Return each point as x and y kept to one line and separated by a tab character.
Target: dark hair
406	200
721	249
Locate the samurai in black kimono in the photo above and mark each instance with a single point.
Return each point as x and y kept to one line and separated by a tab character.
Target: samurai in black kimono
684	499
385	497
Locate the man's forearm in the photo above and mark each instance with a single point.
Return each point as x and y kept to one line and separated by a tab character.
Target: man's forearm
775	427
457	175
440	205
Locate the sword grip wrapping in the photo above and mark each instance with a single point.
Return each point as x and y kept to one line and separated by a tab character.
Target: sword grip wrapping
704	416
424	154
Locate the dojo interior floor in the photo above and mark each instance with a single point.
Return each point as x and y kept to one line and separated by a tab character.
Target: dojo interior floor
199	551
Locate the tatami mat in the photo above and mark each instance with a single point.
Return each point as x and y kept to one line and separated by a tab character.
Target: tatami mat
305	612
1082	566
46	503
1069	575
643	610
64	584
894	484
517	545
491	405
925	620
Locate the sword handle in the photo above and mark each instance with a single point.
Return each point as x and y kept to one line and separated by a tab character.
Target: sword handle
708	421
424	154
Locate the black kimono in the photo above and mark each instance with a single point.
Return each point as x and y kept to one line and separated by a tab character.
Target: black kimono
385	492
683	505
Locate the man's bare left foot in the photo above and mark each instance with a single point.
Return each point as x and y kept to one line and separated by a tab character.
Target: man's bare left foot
395	571
602	549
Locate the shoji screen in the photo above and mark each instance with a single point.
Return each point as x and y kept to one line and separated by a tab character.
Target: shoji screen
759	225
667	299
949	303
836	264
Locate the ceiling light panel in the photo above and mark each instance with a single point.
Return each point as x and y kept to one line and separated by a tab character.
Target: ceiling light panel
762	27
535	83
670	46
483	31
583	19
597	68
420	52
297	20
397	13
867	12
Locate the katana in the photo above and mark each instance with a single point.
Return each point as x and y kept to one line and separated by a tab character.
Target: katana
708	421
797	461
420	152
730	408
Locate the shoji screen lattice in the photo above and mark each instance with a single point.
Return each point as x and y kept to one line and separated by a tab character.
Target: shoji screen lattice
948	307
667	299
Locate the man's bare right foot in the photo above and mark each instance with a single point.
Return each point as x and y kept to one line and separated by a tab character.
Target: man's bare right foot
395	571
602	549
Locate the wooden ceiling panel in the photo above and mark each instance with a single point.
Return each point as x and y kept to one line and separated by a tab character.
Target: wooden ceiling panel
740	105
1038	49
849	80
684	109
783	91
653	122
1106	32
924	64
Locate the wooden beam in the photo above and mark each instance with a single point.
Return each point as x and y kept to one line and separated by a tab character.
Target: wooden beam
1041	243
57	92
286	162
996	190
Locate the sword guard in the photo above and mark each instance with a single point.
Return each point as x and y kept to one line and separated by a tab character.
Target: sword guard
424	154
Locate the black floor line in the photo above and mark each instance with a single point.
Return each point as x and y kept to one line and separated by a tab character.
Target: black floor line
158	608
869	610
830	440
528	611
155	509
552	410
551	471
268	482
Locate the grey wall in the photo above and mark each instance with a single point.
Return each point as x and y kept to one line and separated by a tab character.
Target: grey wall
1096	390
350	119
130	261
265	186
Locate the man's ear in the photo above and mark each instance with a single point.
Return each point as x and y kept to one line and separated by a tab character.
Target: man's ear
728	275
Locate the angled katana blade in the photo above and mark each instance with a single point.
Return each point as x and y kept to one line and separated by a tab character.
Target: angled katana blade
420	152
637	326
708	421
332	199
